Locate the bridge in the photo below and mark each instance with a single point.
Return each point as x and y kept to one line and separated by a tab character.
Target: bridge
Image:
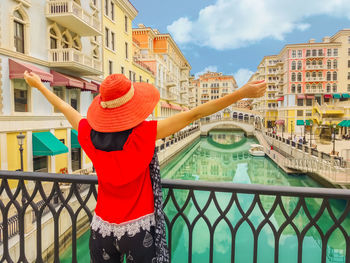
246	120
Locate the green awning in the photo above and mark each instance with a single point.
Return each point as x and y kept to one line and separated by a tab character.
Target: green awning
300	122
45	143
344	123
346	95
336	96
308	122
74	139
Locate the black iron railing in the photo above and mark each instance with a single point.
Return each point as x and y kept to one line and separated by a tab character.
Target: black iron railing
20	192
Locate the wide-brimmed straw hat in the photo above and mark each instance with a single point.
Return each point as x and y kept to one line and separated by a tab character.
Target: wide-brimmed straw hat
121	104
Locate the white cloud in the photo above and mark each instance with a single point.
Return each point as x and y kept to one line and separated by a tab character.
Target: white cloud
230	24
242	76
205	70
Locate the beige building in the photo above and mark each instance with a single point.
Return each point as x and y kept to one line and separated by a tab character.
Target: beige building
161	54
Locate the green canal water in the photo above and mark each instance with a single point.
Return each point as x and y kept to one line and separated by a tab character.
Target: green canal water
209	160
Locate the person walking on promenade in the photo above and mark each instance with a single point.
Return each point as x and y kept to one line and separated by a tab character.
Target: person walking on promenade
128	220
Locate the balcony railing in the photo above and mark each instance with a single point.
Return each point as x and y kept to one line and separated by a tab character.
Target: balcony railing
313	67
58	192
170	83
72	16
312	79
75	61
314	91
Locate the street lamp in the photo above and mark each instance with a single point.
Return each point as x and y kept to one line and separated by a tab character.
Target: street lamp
334	126
20	139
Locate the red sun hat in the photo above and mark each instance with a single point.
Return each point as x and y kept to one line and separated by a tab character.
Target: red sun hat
121	104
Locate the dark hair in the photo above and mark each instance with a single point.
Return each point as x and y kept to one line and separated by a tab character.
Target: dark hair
109	141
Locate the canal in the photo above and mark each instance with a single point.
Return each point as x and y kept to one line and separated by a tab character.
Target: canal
224	157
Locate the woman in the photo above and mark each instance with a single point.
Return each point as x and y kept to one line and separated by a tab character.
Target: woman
120	144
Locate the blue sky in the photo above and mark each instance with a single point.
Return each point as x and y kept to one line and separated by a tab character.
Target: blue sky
232	36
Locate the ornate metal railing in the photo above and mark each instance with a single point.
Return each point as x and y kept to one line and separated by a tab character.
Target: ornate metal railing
21	191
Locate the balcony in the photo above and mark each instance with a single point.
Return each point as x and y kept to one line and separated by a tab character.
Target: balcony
72	16
170	83
317	55
314	91
313	79
170	96
75	61
314	67
183	90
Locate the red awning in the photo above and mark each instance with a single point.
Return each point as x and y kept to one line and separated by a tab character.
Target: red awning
60	79
280	99
88	85
164	105
97	85
17	69
310	96
328	96
301	96
280	122
175	107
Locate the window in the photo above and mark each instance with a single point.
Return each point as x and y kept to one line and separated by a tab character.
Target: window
110	67
40	164
300	102
140	78
126	23
299	88
314	52
335	64
299	76
329	52
53	39
308	62
112	11
106	37
348	63
348	75
348	87
328	76
59	91
106	7
112	40
348	51
293	53
329	64
293	76
335	52
300	53
349	39
308	53
293	65
299	65
320	74
334	87
309	102
126	50
328	87
334	75
21	95
122	70
320	62
300	113
18	32
320	53
293	88
74	99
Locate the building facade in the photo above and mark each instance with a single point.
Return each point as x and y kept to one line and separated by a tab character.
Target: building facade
309	84
62	47
161	54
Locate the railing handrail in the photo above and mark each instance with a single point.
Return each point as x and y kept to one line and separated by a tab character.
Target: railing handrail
184	184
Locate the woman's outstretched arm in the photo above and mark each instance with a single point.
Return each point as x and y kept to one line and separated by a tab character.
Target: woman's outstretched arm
175	123
68	111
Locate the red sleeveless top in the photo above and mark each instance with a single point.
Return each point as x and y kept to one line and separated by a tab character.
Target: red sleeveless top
124	183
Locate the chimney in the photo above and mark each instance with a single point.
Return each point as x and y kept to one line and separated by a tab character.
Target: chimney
312	40
141	25
326	39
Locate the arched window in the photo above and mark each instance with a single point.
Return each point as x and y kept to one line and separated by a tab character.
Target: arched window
77	43
329	64
308	62
19	26
328	87
293	88
335	64
293	76
314	52
313	86
293	65
299	76
299	88
334	87
314	62
308	74
314	74
334	75
320	62
299	65
328	75
66	41
307	86
320	74
55	36
319	86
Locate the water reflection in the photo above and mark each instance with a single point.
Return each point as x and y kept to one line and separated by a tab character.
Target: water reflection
205	161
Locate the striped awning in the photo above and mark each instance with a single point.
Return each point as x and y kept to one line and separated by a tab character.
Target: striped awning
279	122
60	79
16	71
310	96
345	95
300	122
281	98
165	105
328	96
336	96
344	123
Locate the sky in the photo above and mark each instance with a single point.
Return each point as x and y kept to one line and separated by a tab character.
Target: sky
232	36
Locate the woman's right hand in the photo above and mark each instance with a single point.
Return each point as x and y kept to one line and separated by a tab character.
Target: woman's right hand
32	79
253	89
